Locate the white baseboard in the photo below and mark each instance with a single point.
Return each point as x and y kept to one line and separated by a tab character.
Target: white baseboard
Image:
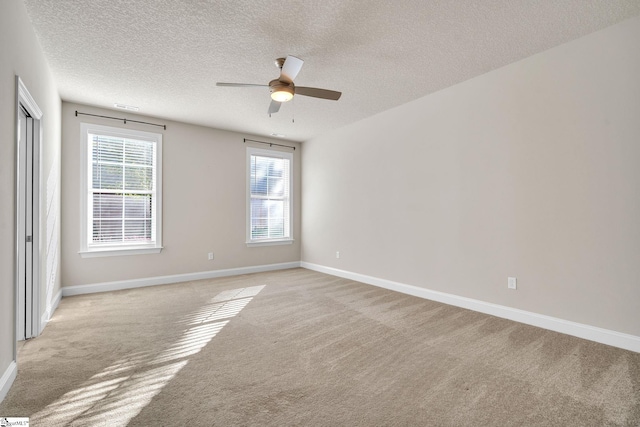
6	381
46	316
176	278
593	333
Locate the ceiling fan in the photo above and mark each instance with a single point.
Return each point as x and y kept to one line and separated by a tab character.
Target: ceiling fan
282	89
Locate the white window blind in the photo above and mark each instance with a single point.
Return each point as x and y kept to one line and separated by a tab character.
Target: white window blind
269	196
122	192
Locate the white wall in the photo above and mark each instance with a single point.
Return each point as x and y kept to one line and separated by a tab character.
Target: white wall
20	54
528	171
204	190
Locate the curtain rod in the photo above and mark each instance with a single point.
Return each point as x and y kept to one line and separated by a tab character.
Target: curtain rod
125	120
271	144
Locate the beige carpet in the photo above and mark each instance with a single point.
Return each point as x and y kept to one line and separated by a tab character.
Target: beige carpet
300	348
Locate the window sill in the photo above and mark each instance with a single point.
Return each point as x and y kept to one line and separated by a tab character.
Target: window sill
119	251
269	242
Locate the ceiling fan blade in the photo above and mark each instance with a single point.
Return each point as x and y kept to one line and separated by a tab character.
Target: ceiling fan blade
274	107
318	93
240	85
290	68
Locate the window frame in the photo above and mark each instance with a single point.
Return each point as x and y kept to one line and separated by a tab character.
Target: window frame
251	151
87	249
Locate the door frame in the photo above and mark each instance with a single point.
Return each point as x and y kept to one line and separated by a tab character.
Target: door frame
25	101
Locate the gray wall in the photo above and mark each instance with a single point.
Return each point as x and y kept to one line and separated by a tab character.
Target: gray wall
528	171
20	54
203	204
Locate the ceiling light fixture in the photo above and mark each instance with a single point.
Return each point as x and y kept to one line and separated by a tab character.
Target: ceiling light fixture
281	91
281	96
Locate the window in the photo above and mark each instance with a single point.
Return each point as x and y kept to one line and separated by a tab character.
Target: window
269	197
121	191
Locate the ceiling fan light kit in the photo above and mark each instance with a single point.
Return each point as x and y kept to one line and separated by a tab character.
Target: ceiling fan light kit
282	89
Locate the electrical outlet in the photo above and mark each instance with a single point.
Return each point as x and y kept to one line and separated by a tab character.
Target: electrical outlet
210	256
512	283
337	254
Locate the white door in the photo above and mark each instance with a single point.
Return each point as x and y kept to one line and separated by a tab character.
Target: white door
25	225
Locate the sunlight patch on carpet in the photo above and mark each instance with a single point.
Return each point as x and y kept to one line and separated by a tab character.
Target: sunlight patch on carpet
119	392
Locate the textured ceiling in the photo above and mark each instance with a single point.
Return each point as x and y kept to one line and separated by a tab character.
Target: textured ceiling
165	56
